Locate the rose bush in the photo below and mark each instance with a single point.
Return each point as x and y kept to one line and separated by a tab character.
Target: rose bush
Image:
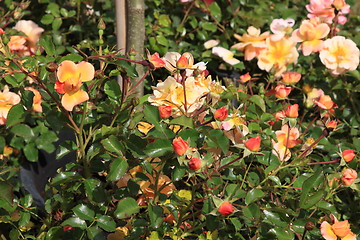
249	131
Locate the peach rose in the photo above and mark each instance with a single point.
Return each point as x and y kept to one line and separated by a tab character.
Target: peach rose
349	176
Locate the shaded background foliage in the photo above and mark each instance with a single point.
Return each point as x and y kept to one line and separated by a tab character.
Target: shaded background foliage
170	26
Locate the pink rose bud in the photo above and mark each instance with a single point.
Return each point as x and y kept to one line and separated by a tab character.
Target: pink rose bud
349	176
281	91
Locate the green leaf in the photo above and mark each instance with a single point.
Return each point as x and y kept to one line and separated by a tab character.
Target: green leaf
107	223
209	26
162	40
65	148
275	179
72	57
56	24
183	121
112	144
217	139
117	169
24	219
312	184
74	222
16	115
253	195
48	45
156	216
112	89
126	67
84	212
152	115
23	130
31	152
283	234
259	101
64	177
159	147
275	219
47	19
95	233
215	11
45	140
6	192
126	207
95	190
136	145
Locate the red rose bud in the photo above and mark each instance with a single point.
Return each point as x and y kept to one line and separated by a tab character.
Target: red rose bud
195	164
180	146
292	111
185	61
226	209
253	144
165	111
221	113
348	155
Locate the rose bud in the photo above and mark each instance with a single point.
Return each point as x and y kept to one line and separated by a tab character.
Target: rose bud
185	61
195	164
226	209
165	111
245	77
221	113
349	176
348	155
253	144
180	146
292	111
331	125
290	77
281	91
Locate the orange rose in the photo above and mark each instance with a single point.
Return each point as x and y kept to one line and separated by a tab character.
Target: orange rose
253	144
337	230
221	113
156	60
165	111
185	61
281	91
349	176
180	146
245	77
292	111
290	77
348	155
195	164
226	209
331	125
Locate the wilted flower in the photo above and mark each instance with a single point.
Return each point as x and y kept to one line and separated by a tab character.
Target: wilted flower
340	55
180	146
310	34
278	55
348	155
226	209
290	77
251	43
349	176
281	27
70	78
337	229
253	144
36	99
226	55
7	101
281	91
221	114
25	45
195	164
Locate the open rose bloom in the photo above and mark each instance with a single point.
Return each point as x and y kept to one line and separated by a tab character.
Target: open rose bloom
25	45
70	78
337	230
7	101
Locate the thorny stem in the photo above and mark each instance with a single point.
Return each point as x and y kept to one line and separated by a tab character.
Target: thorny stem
327	162
142	79
183	80
324	134
229	163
